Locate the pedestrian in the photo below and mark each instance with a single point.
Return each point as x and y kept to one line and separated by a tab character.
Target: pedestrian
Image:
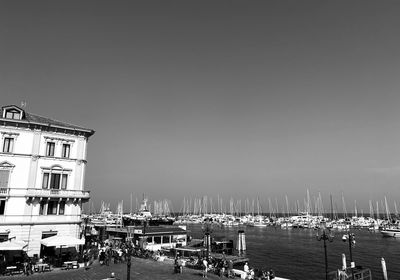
246	267
251	273
86	258
180	264
221	269
271	274
102	257
230	268
112	277
205	268
342	275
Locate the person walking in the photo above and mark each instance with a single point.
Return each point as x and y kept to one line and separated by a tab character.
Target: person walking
246	270
112	277
230	268
205	268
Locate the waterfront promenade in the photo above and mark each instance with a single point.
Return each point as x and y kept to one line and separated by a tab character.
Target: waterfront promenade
143	269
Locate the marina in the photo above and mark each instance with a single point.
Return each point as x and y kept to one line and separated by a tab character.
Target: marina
287	243
179	140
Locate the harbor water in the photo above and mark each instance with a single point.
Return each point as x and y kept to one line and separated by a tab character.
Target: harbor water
297	254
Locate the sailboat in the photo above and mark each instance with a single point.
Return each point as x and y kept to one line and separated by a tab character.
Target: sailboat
390	229
259	219
286	223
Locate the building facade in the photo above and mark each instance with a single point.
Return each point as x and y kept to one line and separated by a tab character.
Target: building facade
42	173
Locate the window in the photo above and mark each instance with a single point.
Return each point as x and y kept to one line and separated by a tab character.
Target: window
157	239
13	114
165	239
45	183
64	181
65	150
42	208
4	176
3	237
46	234
8	145
52	207
50	146
55	177
62	208
2	206
55	181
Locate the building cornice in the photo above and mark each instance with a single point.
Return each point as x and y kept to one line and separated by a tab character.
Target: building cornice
46	127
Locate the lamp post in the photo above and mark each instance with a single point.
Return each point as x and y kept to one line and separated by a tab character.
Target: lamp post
352	242
128	262
325	236
207	237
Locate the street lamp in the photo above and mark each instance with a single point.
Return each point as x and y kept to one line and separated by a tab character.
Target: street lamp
352	243
207	237
325	236
128	261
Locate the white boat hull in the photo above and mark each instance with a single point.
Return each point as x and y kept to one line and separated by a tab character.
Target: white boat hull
391	232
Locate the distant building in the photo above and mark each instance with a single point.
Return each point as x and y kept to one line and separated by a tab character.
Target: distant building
42	168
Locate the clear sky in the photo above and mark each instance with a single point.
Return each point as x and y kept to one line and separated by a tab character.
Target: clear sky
239	99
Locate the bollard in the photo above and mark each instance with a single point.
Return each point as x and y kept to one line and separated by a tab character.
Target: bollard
344	264
241	243
384	271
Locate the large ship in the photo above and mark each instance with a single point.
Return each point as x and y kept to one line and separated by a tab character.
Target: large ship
144	217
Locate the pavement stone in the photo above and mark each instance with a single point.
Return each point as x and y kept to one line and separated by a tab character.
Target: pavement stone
143	269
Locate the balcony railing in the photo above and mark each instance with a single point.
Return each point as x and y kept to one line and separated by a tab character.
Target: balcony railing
55	193
40	219
4	192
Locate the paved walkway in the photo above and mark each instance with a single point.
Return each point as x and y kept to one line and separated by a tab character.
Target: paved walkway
143	269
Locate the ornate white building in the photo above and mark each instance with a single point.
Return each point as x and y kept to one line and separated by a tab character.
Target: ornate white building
42	168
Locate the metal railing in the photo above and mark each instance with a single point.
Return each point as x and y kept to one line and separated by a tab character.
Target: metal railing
40	219
4	192
52	193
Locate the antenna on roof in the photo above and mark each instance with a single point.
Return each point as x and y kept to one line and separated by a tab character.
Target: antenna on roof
23	104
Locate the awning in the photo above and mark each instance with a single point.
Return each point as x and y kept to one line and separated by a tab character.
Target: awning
62	241
12	245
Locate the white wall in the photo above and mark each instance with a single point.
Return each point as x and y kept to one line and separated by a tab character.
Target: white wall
22	219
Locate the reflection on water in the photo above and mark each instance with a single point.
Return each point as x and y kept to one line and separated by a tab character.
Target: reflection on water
296	254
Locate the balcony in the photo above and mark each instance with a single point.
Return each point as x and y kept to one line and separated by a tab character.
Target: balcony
39	219
56	193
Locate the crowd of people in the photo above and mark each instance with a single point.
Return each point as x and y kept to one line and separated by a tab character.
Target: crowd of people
111	251
262	274
116	252
222	267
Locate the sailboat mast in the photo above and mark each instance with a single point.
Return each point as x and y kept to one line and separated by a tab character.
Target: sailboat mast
287	205
387	210
344	206
131	204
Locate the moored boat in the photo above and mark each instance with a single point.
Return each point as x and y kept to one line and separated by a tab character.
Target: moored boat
391	232
144	216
